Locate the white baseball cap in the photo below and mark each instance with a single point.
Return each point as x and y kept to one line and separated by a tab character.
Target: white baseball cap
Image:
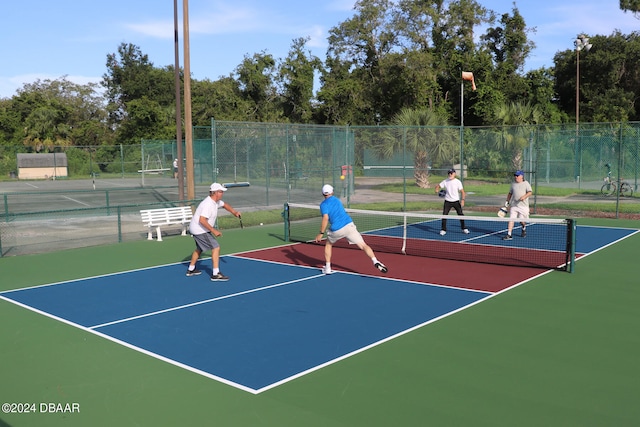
217	187
327	189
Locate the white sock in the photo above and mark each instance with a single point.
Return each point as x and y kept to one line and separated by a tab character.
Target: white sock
374	259
216	271
327	266
192	267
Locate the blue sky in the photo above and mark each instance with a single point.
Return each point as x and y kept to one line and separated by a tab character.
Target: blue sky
44	39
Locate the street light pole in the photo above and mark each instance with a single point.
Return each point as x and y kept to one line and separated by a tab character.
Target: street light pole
188	129
581	42
177	84
577	89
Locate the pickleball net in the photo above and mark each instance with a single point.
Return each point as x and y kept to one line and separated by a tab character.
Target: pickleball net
549	243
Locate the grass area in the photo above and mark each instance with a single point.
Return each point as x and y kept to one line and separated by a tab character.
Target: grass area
593	207
497	189
484	189
250	219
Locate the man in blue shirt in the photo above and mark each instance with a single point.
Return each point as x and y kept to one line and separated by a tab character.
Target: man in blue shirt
342	226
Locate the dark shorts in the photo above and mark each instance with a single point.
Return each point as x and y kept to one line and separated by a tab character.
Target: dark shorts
205	241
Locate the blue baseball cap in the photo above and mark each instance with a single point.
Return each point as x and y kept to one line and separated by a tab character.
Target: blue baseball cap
518	173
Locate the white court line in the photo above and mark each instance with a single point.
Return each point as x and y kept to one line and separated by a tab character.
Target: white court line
114	183
133	347
396	335
193	304
77	201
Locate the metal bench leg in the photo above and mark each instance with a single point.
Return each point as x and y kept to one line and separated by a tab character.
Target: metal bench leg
159	234
184	230
150	234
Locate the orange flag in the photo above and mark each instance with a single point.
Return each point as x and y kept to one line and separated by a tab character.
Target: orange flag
467	75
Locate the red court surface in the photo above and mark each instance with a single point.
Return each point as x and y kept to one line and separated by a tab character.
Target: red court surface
466	275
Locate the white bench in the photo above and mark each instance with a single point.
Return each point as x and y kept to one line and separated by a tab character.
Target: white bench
166	216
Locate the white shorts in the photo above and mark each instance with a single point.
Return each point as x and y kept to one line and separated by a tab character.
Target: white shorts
349	232
519	212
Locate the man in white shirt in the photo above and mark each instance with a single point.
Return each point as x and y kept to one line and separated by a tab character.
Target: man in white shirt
453	189
203	231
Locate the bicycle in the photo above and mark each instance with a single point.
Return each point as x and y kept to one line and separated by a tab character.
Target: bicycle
610	185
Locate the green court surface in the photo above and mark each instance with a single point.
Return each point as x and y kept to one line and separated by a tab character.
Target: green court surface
559	350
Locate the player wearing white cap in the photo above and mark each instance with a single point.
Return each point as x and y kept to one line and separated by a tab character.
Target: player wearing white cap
342	226
203	231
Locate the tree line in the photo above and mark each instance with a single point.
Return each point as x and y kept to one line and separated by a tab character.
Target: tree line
391	62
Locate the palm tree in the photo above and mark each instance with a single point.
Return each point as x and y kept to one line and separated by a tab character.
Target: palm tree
423	133
516	119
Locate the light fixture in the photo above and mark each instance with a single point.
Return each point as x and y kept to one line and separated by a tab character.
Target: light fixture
582	42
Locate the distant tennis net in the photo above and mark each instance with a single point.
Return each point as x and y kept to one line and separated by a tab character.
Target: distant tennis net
549	243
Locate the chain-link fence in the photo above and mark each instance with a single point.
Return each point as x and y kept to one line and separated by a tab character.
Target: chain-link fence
290	156
561	155
290	160
280	163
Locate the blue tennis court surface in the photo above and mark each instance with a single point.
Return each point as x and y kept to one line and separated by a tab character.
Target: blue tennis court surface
540	236
272	322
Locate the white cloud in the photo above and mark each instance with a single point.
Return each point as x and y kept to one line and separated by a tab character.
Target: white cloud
228	20
317	37
157	29
225	20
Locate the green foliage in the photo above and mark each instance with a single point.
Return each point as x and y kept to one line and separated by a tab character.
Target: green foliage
222	100
630	5
421	133
256	76
8	162
608	80
78	162
296	76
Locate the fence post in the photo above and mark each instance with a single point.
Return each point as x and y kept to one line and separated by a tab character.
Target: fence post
122	160
404	169
620	165
285	216
119	225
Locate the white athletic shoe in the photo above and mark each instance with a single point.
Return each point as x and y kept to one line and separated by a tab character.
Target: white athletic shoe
442	232
380	266
326	271
465	231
